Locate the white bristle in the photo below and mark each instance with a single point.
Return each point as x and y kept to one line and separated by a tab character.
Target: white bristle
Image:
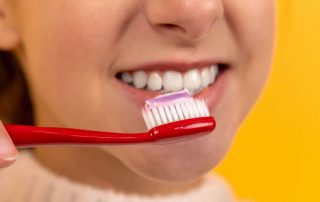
146	118
156	116
205	108
185	111
174	111
151	119
190	109
179	111
163	115
195	109
168	113
200	108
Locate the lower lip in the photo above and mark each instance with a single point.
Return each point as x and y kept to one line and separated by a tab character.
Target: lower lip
212	94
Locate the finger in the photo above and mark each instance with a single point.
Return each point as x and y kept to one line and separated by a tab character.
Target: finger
8	152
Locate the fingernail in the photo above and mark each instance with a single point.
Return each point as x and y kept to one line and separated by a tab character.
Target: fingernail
7	150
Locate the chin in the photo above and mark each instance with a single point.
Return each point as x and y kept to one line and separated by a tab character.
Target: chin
175	163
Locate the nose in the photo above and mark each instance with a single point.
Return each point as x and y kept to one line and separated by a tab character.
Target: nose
188	20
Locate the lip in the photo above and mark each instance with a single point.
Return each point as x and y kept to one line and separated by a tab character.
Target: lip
211	94
176	66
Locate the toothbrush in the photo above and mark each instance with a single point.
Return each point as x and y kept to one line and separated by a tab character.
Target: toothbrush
167	117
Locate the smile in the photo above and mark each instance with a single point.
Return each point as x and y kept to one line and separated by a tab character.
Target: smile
204	80
171	80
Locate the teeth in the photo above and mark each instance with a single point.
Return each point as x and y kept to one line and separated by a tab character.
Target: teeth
192	80
139	79
126	77
154	81
213	73
170	81
205	77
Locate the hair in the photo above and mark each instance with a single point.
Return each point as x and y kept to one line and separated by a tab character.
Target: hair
15	103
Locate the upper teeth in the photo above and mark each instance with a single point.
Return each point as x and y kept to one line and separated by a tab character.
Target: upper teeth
171	81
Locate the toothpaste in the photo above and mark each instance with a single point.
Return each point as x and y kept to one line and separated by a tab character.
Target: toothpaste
168	99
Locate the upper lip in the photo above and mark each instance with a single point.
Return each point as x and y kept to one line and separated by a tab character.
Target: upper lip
172	65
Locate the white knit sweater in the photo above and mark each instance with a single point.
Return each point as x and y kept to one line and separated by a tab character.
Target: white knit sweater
29	181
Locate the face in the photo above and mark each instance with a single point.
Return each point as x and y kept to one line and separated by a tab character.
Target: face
74	54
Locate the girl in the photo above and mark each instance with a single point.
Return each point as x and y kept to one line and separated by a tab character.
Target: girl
77	58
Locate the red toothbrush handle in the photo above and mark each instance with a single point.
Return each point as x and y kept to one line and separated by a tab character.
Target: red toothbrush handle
27	136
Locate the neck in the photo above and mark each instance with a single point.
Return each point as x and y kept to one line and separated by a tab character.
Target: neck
96	167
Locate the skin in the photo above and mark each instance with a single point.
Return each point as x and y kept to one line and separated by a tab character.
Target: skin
71	50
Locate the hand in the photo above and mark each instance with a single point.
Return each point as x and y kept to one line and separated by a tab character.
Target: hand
8	152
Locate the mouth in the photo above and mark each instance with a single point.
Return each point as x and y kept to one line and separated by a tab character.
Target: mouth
205	80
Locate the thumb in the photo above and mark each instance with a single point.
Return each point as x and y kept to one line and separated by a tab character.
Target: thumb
8	152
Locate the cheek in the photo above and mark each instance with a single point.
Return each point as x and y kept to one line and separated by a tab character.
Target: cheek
68	50
251	21
253	30
58	40
253	24
77	39
79	35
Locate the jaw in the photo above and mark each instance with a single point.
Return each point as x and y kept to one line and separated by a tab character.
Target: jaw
175	163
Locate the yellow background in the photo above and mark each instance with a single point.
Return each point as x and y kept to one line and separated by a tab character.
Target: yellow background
276	154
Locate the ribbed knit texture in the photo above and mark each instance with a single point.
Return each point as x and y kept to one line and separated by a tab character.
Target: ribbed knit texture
29	181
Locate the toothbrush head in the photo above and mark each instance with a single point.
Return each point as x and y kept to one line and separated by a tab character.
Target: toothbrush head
173	107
